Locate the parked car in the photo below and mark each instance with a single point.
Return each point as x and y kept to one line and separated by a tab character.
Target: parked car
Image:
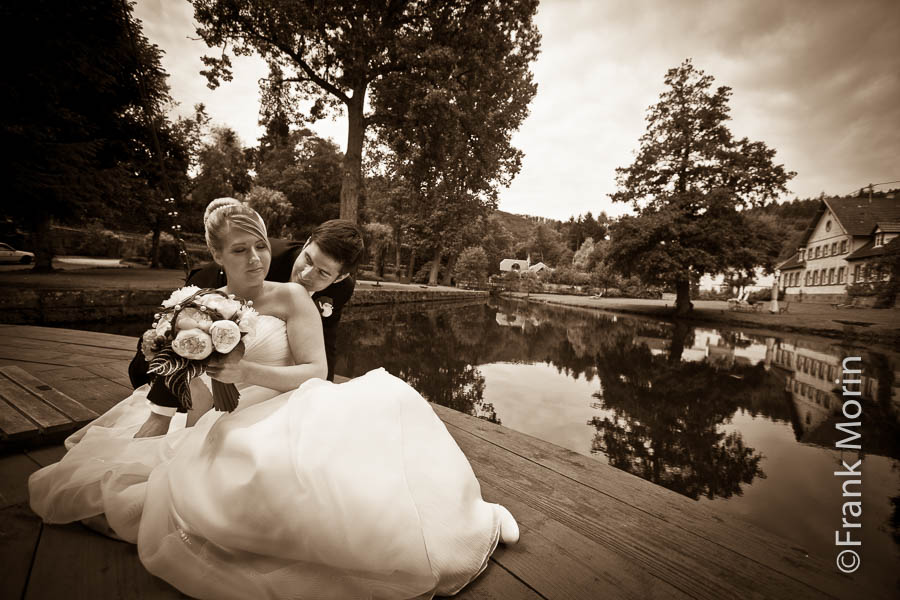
8	254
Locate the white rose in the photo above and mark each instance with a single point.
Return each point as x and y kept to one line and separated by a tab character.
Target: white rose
180	295
225	335
164	325
247	320
224	306
192	343
192	318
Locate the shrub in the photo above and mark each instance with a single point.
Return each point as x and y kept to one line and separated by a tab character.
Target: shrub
472	265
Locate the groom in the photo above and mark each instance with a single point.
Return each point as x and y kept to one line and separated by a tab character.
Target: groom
322	265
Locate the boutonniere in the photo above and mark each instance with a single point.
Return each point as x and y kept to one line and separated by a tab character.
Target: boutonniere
326	306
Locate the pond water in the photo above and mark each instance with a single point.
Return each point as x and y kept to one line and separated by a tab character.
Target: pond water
740	421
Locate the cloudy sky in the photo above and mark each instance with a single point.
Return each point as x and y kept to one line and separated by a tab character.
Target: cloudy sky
818	80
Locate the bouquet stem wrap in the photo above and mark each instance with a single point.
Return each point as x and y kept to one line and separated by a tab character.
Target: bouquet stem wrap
225	395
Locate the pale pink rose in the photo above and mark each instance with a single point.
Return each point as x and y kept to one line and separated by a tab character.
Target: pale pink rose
192	343
225	335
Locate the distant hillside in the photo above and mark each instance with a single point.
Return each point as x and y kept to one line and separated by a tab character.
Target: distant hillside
793	218
522	226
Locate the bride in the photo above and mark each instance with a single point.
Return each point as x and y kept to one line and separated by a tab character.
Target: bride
307	490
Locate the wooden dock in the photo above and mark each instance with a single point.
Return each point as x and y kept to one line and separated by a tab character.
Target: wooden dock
588	530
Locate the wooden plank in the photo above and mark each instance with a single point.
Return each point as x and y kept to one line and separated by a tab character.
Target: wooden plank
67	347
14	425
46	455
47	418
14	471
698	567
75	411
95	392
75	563
568	563
55	334
496	583
20	530
50	357
113	370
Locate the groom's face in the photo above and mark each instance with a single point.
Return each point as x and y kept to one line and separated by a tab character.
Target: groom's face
314	269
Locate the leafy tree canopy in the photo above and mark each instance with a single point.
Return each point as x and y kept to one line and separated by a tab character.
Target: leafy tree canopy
332	54
691	184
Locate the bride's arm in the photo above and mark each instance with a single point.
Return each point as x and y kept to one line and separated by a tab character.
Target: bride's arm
304	331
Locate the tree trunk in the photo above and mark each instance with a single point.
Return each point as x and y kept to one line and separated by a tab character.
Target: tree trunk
356	130
397	251
683	304
378	259
448	276
42	241
411	267
154	244
435	267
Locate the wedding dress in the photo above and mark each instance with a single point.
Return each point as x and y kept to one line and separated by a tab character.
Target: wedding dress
341	491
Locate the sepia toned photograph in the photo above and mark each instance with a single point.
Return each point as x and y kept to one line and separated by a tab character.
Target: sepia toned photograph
484	299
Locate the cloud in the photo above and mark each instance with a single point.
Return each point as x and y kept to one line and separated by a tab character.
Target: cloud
816	80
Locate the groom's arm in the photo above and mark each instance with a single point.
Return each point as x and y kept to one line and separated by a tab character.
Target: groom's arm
340	293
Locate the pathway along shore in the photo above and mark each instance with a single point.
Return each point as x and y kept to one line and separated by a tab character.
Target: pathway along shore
853	325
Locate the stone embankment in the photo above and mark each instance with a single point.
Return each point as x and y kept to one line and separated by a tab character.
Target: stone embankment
42	305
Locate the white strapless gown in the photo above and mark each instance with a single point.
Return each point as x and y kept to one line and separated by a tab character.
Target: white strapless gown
341	491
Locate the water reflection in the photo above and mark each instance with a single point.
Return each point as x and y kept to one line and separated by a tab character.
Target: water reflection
742	420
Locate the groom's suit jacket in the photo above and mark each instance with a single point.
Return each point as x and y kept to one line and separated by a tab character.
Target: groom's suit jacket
284	253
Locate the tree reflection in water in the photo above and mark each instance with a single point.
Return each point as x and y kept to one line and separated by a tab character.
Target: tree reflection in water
666	418
668	394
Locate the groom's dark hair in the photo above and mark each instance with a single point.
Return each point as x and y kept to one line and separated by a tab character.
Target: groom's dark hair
342	240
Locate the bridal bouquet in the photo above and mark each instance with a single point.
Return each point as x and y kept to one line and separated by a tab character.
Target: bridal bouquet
193	326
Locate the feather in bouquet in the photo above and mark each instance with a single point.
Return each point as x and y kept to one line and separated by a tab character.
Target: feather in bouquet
193	326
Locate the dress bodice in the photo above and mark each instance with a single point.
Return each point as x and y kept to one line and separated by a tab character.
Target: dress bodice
268	343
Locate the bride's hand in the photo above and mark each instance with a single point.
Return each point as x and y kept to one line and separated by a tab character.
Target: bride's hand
227	369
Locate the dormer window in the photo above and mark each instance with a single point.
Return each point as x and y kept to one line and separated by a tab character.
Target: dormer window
879	239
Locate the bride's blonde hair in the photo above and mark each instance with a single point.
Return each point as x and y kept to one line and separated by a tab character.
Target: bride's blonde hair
223	213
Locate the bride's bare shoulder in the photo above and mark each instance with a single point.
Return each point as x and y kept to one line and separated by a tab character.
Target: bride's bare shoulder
286	299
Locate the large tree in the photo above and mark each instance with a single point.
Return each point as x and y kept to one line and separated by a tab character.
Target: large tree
691	184
449	119
77	105
335	53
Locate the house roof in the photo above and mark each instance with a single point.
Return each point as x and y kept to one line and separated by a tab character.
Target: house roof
507	263
887	226
792	263
858	216
870	250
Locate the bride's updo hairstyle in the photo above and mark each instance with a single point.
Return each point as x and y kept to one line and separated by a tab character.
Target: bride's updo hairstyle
223	213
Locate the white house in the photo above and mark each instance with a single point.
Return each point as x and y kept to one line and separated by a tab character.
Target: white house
840	246
521	266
